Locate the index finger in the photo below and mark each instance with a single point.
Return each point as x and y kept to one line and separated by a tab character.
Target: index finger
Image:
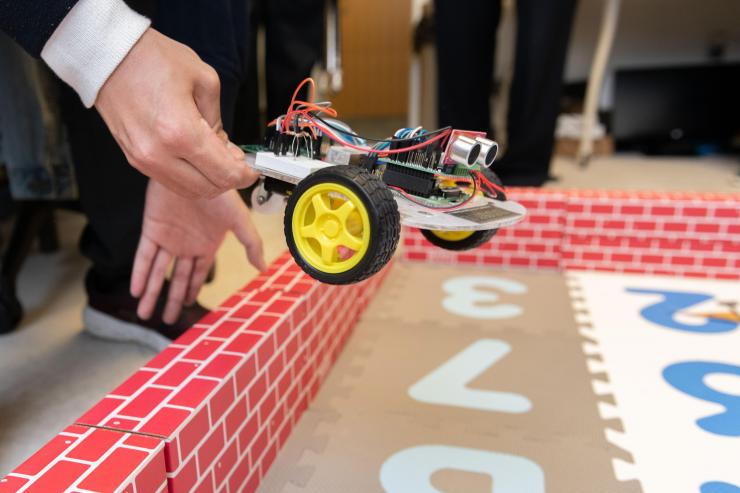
247	234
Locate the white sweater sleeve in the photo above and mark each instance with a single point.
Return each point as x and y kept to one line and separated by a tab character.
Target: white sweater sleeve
90	42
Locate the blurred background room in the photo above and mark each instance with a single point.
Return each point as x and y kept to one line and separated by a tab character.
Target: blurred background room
623	95
666	99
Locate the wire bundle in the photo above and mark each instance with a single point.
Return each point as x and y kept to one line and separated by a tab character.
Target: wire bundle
307	115
319	119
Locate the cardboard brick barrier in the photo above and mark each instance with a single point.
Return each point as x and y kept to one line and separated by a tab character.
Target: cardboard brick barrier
679	234
89	459
210	412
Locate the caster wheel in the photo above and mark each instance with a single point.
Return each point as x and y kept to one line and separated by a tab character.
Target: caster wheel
263	201
342	224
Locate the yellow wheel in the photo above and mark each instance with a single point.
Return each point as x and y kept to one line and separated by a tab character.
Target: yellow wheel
458	240
341	224
452	235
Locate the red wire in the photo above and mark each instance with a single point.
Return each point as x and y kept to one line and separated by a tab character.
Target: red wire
489	183
479	178
305	112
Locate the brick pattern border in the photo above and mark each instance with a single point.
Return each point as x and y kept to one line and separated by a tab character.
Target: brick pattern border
83	459
678	234
210	412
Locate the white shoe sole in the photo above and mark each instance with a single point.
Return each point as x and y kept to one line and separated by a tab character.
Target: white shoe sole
104	326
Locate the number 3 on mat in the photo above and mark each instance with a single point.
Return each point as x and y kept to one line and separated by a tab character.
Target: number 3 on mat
473	297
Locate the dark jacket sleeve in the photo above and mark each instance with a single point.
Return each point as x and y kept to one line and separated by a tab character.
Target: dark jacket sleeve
31	22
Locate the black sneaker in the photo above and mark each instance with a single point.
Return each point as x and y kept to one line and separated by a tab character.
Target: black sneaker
113	316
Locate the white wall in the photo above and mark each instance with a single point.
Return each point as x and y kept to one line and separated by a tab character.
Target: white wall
656	32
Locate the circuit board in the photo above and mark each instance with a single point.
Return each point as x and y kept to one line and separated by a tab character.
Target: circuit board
480	213
440	179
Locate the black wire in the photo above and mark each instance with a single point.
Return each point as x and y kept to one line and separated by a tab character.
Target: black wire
352	134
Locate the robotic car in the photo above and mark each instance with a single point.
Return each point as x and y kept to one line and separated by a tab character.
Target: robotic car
347	195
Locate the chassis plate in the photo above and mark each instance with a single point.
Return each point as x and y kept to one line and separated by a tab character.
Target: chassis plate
480	214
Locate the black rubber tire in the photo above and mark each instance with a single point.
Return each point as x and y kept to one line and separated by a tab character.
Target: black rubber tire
495	179
385	221
475	240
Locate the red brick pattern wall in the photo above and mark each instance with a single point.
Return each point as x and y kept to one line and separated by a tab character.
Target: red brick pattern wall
223	398
90	459
696	235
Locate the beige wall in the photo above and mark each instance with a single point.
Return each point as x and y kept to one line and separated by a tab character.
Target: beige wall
377	46
656	32
651	32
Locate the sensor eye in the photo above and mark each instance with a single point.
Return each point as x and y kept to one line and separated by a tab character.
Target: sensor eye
489	151
465	151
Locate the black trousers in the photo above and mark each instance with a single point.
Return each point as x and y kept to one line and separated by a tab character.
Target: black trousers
293	45
111	191
466	41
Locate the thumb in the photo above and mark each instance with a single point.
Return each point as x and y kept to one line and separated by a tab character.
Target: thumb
207	96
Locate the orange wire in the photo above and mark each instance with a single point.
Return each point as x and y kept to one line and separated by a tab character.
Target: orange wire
312	94
309	122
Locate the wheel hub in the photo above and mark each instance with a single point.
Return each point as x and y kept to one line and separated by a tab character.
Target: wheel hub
330	227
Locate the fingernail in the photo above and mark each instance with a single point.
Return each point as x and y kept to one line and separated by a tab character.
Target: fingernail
235	151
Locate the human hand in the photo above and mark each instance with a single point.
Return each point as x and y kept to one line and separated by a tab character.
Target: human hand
162	105
187	232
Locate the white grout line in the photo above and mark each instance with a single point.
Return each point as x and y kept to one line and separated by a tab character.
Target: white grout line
281	405
289	414
264	371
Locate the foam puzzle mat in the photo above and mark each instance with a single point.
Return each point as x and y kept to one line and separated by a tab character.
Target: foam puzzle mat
583	382
594	348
